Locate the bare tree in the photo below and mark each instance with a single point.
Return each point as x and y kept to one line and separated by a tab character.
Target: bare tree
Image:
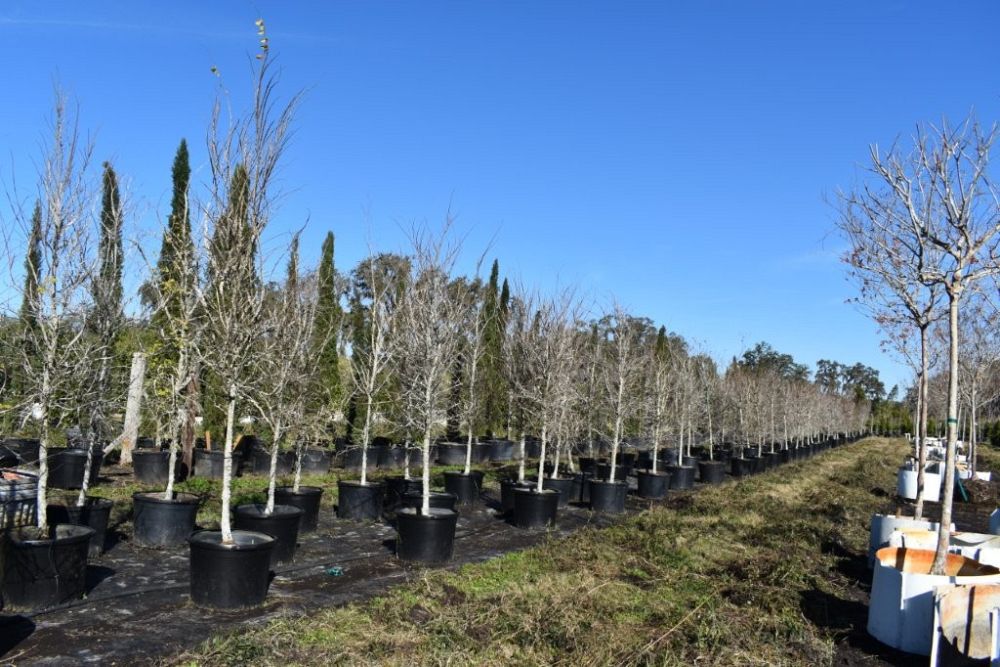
59	350
621	371
429	320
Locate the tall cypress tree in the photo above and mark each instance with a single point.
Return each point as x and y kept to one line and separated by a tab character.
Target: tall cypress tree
32	260
494	393
106	290
175	266
328	319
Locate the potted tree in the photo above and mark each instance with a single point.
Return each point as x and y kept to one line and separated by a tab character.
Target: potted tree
653	484
230	568
427	342
46	564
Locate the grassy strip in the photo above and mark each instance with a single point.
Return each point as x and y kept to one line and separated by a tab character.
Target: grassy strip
715	577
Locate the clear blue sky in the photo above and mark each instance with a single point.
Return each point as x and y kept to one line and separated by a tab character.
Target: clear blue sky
674	155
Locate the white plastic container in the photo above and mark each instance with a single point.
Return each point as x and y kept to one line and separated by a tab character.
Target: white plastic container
901	611
883	525
906	485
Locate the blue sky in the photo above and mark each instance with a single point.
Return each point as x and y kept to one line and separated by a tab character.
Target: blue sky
675	155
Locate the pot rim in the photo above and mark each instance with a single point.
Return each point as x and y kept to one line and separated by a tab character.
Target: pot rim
212	540
256	510
180	498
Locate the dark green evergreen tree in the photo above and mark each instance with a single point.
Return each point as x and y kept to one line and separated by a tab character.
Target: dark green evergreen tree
175	267
494	390
32	260
328	321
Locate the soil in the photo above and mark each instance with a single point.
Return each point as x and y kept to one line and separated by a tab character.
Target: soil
137	608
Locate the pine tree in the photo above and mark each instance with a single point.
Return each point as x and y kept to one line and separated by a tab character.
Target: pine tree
106	290
328	320
32	259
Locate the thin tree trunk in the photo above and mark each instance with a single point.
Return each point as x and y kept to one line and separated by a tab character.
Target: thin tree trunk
132	407
225	525
944	530
541	458
425	505
272	473
521	462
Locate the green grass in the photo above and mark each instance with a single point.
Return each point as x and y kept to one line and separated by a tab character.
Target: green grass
716	577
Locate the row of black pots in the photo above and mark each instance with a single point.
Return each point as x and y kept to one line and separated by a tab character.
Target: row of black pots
454	454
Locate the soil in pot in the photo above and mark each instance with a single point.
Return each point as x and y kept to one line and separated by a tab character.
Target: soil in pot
564	485
360	503
66	467
653	485
230	576
608	497
437	499
465	487
307	499
712	472
152	467
681	477
163	523
95	514
42	569
534	509
282	524
425	539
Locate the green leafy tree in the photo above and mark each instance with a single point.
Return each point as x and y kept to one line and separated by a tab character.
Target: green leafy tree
329	316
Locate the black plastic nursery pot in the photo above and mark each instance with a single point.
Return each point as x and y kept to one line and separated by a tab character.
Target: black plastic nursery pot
391	458
507	487
397	487
40	571
534	509
262	462
712	472
451	454
465	487
653	485
230	576
24	449
608	497
66	467
740	467
501	450
316	461
581	487
95	514
437	500
209	464
307	499
282	524
163	523
771	460
359	502
681	477
532	449
587	463
784	455
153	467
351	459
425	538
564	485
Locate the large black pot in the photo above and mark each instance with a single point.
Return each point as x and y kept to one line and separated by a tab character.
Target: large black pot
581	487
316	461
262	463
436	499
451	454
770	459
66	467
608	497
532	449
425	539
465	487
153	467
391	458
501	450
397	487
209	464
230	576
564	485
741	467
784	455
24	449
163	523
653	485
534	509
361	503
307	499
282	524
351	459
42	571
681	477
712	472
587	464
95	514
507	487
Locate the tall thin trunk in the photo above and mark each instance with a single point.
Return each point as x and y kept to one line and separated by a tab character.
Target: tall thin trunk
300	448
468	454
365	435
425	455
922	424
272	473
555	459
541	457
521	460
944	530
225	525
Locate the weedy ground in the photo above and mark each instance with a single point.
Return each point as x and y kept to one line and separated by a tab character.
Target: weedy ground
766	570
